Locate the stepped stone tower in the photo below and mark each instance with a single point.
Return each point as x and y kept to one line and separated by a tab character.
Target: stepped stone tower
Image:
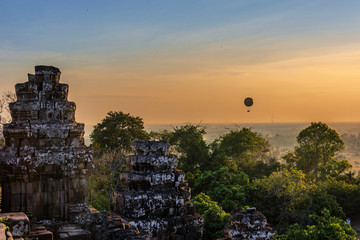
155	197
44	164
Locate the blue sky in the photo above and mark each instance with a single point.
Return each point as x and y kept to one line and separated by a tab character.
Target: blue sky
97	26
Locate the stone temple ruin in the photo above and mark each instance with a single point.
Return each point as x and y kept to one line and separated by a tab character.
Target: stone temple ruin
155	196
43	174
44	164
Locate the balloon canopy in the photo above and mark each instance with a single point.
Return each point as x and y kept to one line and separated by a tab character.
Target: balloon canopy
248	102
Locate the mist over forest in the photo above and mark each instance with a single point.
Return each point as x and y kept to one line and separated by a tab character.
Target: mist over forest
281	136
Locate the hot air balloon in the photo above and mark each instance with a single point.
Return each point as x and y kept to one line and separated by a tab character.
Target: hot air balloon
248	102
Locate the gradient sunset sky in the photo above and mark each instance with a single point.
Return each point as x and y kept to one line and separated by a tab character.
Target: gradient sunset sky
191	61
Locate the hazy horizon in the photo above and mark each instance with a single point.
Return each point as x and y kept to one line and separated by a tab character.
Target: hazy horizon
195	123
281	136
340	127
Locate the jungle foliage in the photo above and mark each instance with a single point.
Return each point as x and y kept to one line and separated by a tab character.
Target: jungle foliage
215	219
307	195
325	226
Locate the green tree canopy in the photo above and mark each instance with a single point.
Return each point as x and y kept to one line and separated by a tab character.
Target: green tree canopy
193	152
239	149
315	154
117	131
326	227
288	196
112	139
346	194
215	219
226	188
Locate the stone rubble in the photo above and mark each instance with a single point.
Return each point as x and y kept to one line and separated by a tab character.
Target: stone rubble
249	224
73	232
118	228
39	233
155	197
17	222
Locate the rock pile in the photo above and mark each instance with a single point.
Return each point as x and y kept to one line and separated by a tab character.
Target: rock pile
249	224
44	163
155	197
18	227
18	223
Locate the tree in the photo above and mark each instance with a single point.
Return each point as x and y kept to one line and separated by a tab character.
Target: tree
326	227
215	219
111	140
239	149
315	154
104	178
163	135
288	196
226	188
193	152
262	169
117	131
346	194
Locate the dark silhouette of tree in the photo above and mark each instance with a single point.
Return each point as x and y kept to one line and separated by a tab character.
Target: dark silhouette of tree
117	131
188	141
111	139
316	153
239	149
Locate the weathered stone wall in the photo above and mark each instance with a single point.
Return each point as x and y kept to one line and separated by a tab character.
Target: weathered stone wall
155	197
44	164
249	224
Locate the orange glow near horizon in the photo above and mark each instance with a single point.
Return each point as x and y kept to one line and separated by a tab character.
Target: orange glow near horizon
314	88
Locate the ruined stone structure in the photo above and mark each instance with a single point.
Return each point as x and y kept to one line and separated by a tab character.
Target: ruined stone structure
44	164
155	197
249	224
43	170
